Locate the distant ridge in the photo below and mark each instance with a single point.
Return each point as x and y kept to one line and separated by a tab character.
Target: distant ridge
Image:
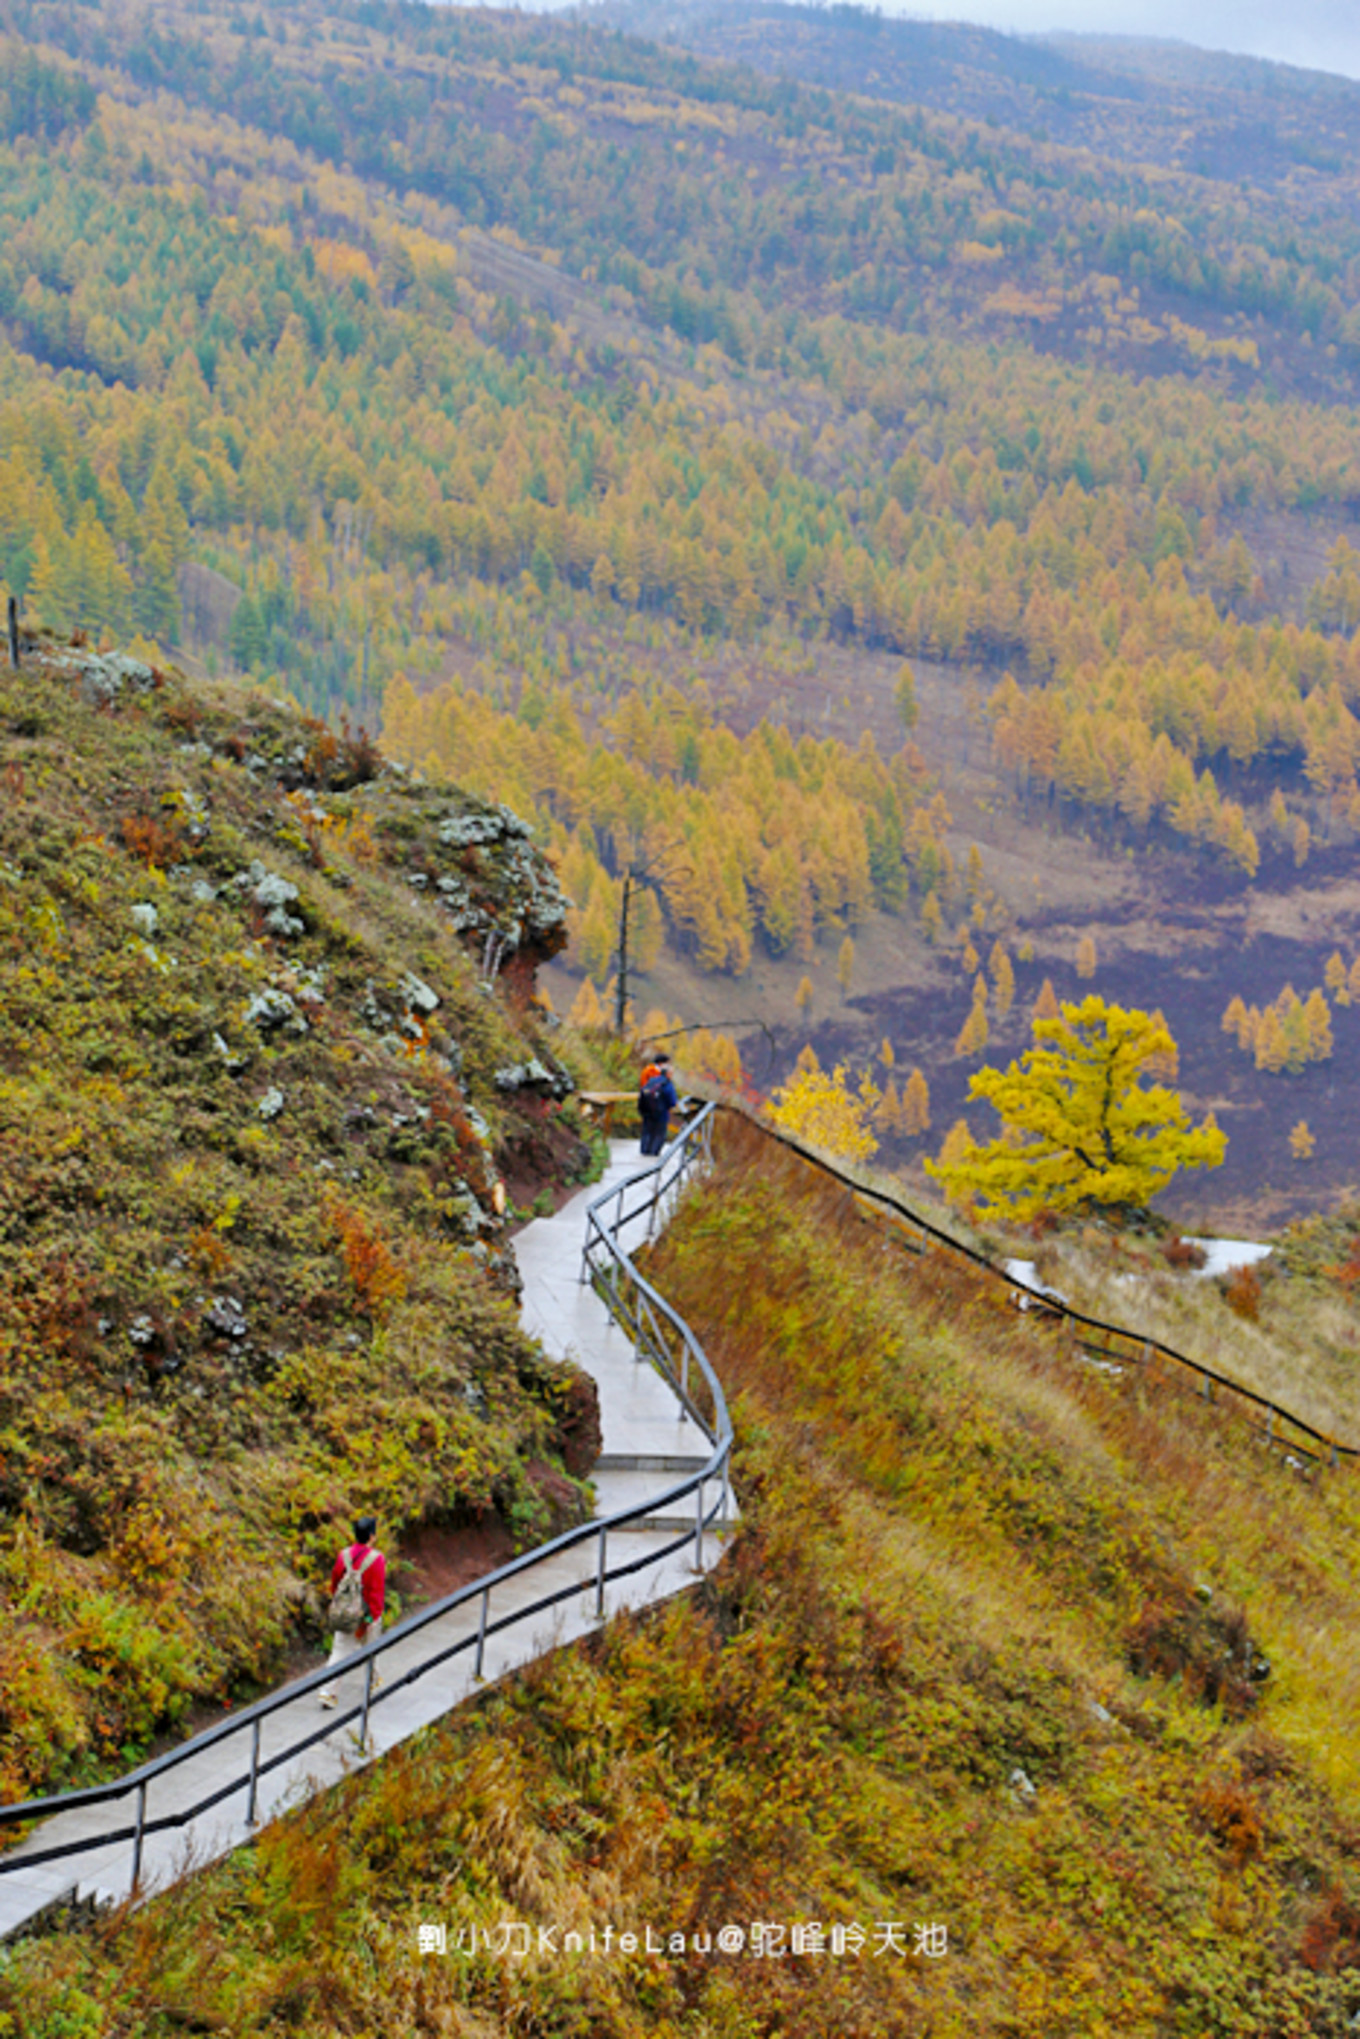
1137	99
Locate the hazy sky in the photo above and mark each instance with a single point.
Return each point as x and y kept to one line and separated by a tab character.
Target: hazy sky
1321	35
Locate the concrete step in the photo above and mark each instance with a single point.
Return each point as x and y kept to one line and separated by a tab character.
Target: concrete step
632	1487
649	1462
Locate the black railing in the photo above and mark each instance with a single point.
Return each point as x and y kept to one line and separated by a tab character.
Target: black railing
662	1338
1282	1426
631	1300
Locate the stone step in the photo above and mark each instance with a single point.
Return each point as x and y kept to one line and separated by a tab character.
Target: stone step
633	1487
649	1462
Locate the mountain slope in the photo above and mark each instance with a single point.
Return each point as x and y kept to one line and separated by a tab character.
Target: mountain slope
255	1108
1280	129
1004	1651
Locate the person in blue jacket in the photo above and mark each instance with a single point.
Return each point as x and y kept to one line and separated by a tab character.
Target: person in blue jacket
657	1099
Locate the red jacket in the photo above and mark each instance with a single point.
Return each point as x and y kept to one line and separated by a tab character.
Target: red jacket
374	1581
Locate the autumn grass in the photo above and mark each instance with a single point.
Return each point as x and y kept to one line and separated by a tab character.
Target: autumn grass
1299	1345
963	1663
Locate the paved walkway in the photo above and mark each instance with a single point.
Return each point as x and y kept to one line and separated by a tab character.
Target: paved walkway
648	1445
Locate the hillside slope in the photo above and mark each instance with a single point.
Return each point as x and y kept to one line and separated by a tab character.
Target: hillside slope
1273	126
257	1106
1002	1651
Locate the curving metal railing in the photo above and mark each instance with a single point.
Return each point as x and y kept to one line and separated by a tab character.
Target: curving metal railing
661	1338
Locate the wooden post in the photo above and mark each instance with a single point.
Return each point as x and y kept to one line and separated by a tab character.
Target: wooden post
14	633
621	997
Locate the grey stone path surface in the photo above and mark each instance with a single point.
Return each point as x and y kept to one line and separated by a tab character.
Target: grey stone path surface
647	1446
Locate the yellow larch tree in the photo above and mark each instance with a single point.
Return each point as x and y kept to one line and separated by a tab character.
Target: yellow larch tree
1079	1122
822	1109
915	1105
888	1115
1336	977
1003	980
1318	1020
975	1030
586	1009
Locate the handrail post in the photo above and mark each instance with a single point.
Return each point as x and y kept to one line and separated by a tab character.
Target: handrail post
699	1527
254	1770
599	1575
137	1838
368	1695
481	1633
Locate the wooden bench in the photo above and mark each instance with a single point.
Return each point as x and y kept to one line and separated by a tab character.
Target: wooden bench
615	1112
612	1111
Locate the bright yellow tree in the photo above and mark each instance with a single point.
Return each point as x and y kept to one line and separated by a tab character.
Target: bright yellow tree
973	1034
1003	980
915	1113
1079	1125
823	1110
586	1010
1319	1023
888	1116
1302	1142
1337	978
1046	1004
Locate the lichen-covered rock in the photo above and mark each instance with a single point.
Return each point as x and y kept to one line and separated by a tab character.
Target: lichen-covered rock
272	1009
103	677
534	1075
274	895
418	995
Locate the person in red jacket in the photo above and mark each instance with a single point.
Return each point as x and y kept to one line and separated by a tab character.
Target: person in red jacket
657	1099
366	1561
